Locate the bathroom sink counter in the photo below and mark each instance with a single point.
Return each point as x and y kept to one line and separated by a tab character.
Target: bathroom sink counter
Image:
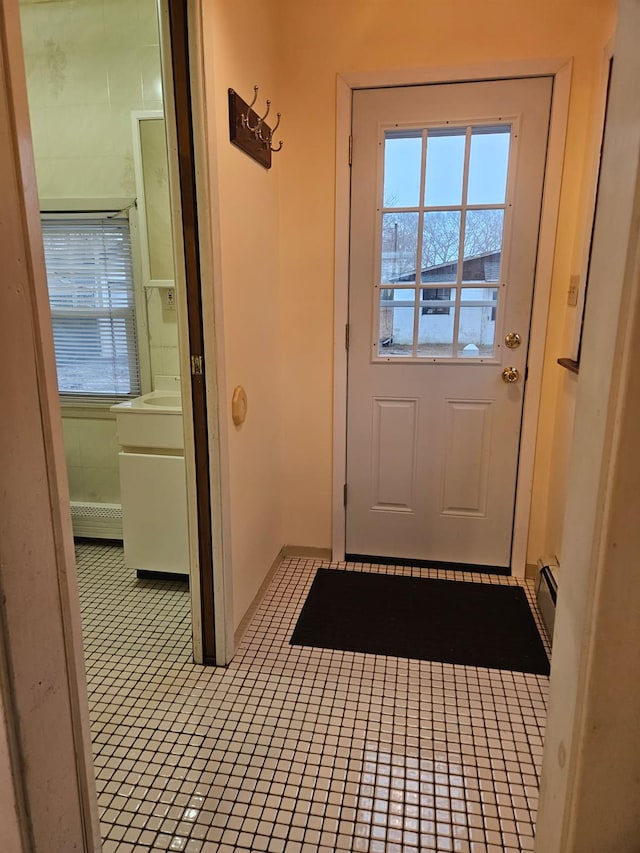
165	401
152	421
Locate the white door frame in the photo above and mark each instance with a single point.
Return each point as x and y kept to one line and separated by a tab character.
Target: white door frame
560	70
42	678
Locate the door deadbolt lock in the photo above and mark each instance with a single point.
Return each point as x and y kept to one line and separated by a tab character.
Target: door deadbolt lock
510	374
512	340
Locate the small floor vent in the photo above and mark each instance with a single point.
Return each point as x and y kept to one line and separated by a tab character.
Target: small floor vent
96	520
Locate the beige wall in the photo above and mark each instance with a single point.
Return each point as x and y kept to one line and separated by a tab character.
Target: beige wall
89	64
590	788
559	393
319	40
278	299
9	824
242	49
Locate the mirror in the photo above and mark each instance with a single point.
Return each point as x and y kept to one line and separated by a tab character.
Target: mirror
154	207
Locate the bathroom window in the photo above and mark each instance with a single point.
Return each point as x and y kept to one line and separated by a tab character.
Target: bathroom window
91	293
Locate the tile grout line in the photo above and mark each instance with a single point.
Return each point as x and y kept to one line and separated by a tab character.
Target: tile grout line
286	748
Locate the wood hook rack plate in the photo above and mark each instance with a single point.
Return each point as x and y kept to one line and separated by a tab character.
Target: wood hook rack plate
244	137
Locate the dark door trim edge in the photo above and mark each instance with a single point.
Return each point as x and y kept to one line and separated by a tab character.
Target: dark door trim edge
179	44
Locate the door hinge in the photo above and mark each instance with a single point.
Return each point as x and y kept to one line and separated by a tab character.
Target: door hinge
350	150
344	494
346	336
197	366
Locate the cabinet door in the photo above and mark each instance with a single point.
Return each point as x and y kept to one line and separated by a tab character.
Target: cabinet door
154	512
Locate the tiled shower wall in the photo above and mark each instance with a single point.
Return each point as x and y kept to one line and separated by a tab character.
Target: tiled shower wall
91	448
89	64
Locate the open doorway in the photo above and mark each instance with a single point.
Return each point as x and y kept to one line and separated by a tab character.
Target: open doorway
101	90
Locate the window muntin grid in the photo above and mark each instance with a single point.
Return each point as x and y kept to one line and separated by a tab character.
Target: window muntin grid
422	310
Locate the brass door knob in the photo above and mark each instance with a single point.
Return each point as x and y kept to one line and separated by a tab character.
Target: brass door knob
512	340
510	374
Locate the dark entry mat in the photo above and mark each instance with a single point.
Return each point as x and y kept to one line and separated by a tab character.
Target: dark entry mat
473	624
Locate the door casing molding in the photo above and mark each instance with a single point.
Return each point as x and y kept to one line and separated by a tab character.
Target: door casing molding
560	70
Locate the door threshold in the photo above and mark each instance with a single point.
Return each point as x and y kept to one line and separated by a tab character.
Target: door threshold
427	564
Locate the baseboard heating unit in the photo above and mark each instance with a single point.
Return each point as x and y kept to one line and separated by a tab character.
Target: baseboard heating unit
96	520
547	591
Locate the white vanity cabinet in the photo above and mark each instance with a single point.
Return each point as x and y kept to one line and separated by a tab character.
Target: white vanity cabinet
153	484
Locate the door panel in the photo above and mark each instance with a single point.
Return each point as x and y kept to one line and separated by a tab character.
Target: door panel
446	196
467	457
394	457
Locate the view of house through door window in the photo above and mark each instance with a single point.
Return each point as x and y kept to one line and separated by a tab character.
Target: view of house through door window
446	197
442	218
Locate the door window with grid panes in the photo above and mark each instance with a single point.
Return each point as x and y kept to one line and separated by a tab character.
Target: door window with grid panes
443	215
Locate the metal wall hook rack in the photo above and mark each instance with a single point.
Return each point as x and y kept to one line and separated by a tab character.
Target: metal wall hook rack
250	131
269	138
245	116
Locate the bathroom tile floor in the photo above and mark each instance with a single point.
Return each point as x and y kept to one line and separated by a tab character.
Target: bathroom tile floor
296	749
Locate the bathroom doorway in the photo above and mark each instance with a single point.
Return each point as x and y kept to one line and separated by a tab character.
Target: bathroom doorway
103	95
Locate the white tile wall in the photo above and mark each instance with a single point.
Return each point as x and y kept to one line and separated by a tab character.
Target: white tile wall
91	448
89	64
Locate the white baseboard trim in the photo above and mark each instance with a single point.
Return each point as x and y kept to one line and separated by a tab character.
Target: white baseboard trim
286	551
531	571
248	616
306	551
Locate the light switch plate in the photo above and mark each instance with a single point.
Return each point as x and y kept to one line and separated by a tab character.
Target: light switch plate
572	295
239	405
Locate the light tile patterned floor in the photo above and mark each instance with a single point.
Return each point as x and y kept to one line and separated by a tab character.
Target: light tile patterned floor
296	749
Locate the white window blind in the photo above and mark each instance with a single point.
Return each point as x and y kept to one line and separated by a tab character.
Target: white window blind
90	278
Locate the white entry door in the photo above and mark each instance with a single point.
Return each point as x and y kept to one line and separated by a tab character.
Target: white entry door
446	197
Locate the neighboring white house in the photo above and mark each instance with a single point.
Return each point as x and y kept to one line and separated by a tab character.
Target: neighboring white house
437	307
